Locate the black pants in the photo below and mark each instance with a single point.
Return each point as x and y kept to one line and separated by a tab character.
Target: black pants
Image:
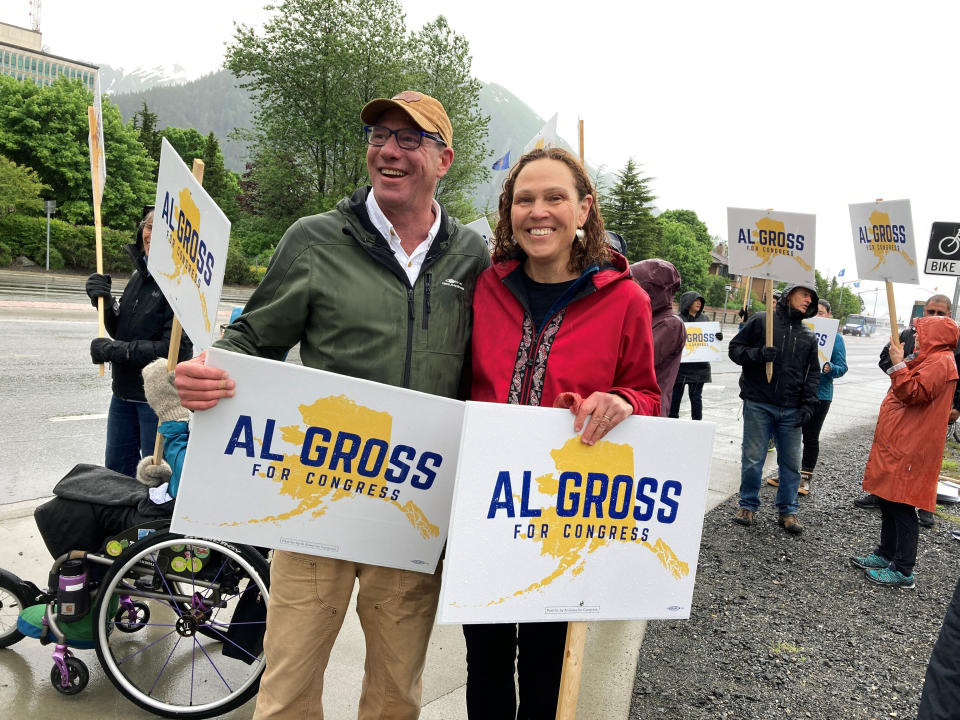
696	400
941	688
899	532
491	650
811	436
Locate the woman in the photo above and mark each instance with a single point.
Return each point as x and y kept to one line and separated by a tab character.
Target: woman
140	326
904	462
693	374
557	317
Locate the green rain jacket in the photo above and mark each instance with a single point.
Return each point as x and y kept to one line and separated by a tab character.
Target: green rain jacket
335	287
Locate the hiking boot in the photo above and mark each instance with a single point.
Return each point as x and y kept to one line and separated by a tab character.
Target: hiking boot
870	562
743	517
867	502
773	480
790	523
926	518
890	577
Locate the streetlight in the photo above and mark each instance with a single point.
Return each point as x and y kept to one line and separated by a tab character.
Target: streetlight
50	206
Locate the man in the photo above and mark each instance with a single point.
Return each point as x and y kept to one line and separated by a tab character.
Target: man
936	306
379	288
778	408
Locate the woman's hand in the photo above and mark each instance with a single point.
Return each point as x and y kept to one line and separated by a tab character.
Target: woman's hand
606	411
896	353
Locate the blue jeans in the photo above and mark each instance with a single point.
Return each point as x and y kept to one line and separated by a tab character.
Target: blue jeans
131	434
760	422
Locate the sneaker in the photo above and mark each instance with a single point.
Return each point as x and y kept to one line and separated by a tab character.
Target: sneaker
870	562
889	577
867	502
773	480
804	488
791	524
926	518
743	517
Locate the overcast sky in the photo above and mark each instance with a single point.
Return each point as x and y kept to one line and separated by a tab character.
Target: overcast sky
802	107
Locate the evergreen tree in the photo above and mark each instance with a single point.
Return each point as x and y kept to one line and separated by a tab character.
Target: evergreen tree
146	124
221	184
188	143
626	210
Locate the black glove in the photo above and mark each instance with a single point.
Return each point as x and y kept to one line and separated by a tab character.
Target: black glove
805	416
99	286
719	336
103	350
768	353
742	312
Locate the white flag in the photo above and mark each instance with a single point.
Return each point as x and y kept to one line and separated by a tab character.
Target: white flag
98	162
545	137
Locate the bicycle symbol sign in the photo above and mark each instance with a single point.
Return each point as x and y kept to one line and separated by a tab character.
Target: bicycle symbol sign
943	253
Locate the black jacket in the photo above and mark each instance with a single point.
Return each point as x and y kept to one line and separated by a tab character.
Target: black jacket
141	322
692	372
796	371
907	338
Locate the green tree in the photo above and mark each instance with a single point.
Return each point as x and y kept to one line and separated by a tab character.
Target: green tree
689	218
20	189
715	290
188	143
439	64
626	210
221	184
46	129
146	124
688	255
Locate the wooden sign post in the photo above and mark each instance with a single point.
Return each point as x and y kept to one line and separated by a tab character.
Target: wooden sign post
95	145
769	338
176	331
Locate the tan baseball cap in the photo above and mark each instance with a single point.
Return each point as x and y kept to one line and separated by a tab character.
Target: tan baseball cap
425	111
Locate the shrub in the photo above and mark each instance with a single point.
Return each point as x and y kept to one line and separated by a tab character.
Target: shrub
237	270
73	245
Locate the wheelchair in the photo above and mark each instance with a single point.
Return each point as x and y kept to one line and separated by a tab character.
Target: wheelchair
177	621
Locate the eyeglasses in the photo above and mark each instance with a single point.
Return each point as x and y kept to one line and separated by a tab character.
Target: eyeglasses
407	138
929	312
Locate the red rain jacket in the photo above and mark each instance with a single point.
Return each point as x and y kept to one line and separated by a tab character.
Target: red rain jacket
908	443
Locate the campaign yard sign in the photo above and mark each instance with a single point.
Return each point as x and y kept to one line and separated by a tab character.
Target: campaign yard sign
883	241
188	250
771	244
546	528
314	462
826	331
702	344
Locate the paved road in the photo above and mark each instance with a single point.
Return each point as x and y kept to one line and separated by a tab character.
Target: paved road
54	416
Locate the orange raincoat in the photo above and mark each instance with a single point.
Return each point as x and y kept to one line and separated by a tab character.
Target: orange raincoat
908	443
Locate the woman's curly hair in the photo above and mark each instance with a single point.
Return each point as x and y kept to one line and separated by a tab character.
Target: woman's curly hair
593	249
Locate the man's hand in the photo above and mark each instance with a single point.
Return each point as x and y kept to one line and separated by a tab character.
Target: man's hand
896	353
768	353
201	386
606	410
826	368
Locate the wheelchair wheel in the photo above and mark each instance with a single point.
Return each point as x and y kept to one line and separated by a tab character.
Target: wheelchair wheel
197	650
12	602
78	678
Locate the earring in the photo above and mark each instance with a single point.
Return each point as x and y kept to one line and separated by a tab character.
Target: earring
580	234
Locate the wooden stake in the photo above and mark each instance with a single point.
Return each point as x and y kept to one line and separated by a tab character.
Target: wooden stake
892	309
580	132
97	229
572	669
769	340
176	333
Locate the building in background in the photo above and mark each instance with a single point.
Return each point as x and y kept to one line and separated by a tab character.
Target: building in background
22	58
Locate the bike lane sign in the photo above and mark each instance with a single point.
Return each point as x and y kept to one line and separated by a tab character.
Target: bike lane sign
943	253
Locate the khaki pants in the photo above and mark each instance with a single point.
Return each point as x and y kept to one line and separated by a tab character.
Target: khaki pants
308	599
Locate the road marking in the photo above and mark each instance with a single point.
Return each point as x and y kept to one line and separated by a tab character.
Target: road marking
69	418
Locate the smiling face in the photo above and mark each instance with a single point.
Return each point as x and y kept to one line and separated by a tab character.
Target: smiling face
404	180
545	215
147	232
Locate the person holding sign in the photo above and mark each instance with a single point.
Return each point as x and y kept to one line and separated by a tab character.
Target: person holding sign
835	367
907	450
140	325
378	288
936	306
558	321
778	408
692	374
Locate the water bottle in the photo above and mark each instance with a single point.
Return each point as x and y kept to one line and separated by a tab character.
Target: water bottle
73	598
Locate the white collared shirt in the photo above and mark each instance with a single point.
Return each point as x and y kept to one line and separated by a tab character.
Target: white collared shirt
411	263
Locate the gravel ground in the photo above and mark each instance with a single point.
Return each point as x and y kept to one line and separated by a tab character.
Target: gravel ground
785	627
